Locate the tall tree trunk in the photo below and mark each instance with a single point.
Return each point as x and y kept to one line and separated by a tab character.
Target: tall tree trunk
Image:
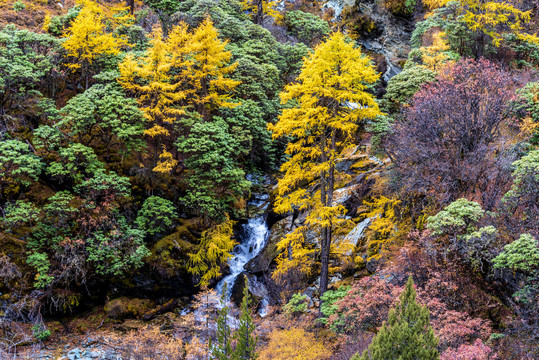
324	251
87	75
328	183
131	5
260	12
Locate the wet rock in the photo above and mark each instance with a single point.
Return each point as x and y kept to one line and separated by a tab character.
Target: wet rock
372	265
74	354
262	261
311	292
388	35
340	196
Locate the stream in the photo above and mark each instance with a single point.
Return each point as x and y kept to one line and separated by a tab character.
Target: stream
253	238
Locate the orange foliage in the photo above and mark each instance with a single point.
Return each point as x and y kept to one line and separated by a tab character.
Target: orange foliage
151	344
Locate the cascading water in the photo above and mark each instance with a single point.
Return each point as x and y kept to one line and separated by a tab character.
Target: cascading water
255	234
253	237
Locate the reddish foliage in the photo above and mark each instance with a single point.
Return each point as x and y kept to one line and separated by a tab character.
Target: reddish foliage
367	304
446	144
475	351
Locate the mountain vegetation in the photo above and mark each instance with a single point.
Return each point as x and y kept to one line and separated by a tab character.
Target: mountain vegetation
385	154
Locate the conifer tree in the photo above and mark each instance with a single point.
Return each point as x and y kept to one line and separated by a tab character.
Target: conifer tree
210	66
245	339
214	249
331	102
150	80
186	71
87	40
407	334
222	348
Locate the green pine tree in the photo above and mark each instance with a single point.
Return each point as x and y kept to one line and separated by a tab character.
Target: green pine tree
407	334
245	339
222	348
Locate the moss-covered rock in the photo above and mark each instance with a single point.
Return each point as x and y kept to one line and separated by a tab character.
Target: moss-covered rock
124	307
169	254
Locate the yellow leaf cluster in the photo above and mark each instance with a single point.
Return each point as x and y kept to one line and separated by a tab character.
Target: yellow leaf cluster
269	8
185	71
330	101
294	344
492	17
383	227
435	4
295	254
434	57
87	39
214	249
166	163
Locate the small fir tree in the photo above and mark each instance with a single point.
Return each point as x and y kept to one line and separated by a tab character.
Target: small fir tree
245	339
407	334
222	348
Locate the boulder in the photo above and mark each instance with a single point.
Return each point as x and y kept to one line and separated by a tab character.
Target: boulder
257	290
357	233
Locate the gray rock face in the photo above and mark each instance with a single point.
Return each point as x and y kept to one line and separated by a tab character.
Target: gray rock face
393	38
357	233
257	290
338	5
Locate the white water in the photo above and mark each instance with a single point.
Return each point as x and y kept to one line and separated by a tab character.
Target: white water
256	234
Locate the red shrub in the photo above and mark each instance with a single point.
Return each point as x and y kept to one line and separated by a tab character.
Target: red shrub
475	351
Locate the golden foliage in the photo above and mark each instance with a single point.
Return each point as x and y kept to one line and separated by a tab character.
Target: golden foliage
294	344
210	66
186	70
491	16
150	344
435	4
86	38
269	8
166	163
330	103
214	249
383	227
434	56
196	349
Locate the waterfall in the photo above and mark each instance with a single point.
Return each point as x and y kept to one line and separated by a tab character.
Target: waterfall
253	238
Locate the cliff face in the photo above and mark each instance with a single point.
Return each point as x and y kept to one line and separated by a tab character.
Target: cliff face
378	30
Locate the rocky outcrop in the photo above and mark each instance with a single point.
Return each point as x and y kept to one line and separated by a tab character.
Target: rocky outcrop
386	34
357	233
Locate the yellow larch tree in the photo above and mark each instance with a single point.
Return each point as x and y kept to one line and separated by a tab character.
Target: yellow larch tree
214	249
496	18
150	79
259	8
435	56
186	71
330	102
87	39
211	65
